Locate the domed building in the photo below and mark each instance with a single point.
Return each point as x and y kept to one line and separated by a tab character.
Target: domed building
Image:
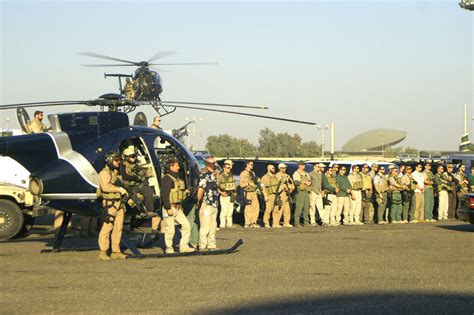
374	140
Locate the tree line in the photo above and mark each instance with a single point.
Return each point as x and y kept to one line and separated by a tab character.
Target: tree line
270	144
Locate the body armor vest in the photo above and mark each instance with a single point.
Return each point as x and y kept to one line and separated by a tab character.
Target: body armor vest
332	181
429	177
358	183
109	195
271	187
366	181
384	184
178	193
130	170
227	183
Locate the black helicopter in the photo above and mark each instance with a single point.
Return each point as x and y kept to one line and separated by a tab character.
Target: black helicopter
145	84
64	163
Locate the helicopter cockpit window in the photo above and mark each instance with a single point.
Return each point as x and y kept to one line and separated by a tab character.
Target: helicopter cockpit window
165	149
143	160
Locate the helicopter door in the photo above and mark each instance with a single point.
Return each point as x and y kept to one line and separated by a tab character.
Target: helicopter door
147	164
23	119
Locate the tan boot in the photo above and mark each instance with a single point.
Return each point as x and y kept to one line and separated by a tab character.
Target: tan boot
186	249
118	255
103	255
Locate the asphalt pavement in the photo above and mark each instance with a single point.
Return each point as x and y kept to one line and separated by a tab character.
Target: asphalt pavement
423	268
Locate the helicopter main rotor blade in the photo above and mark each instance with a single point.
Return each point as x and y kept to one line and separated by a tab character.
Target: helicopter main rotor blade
161	54
245	114
91	54
185	64
108	65
43	104
214	104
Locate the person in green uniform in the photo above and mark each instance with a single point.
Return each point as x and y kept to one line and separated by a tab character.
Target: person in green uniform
302	182
471	180
330	191
429	193
395	188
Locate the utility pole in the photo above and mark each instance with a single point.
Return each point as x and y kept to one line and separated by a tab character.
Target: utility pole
323	143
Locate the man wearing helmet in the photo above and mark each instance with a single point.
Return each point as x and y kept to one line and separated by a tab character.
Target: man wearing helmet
114	209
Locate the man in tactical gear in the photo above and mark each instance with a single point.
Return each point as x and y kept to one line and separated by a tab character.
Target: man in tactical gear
316	196
462	183
381	188
114	209
271	187
428	193
357	183
367	196
249	183
173	193
36	125
285	197
208	199
470	178
303	186
129	91
441	186
133	177
227	191
330	191
450	180
395	188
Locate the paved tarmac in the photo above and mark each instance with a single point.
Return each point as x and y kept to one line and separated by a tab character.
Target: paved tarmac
422	268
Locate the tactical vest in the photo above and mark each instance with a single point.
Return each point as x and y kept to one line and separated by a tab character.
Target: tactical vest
227	183
358	183
251	187
366	181
398	180
271	187
332	181
384	184
130	170
178	193
428	177
302	186
109	195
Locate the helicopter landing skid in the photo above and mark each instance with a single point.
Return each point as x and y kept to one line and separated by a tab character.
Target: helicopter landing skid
229	250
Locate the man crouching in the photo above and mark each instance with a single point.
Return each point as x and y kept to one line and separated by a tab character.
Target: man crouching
173	193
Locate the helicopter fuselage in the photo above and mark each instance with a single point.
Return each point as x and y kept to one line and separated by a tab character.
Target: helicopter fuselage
66	162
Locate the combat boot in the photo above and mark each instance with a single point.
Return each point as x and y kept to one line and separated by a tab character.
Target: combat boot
186	249
103	255
118	255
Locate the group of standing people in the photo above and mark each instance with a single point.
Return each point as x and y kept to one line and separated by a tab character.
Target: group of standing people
360	195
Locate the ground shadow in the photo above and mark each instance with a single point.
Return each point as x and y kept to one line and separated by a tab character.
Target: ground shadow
459	228
376	303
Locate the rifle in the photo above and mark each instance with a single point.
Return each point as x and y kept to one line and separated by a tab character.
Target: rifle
256	181
277	200
132	199
181	132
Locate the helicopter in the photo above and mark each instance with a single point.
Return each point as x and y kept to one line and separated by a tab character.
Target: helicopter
467	4
145	84
64	163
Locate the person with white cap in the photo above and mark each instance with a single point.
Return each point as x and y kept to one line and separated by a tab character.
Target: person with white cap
227	192
285	193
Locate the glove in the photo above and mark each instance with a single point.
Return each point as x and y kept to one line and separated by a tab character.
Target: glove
123	191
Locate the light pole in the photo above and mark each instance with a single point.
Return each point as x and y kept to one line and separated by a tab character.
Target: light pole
323	129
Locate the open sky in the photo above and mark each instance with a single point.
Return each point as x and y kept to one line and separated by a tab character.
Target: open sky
363	65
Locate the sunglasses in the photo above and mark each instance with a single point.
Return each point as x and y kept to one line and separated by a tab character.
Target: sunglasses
117	159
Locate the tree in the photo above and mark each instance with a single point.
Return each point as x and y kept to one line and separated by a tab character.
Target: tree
226	145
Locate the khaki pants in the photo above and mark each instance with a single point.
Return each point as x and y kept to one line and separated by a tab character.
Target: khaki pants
332	209
285	210
344	206
315	202
271	208
251	210
227	209
208	226
419	206
443	205
155	223
356	206
169	228
114	228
